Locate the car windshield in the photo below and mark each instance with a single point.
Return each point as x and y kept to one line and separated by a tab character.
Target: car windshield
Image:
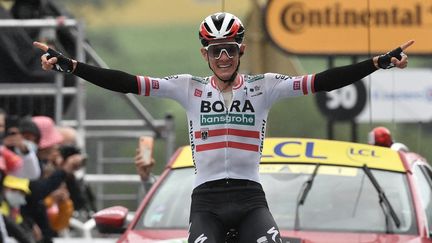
340	199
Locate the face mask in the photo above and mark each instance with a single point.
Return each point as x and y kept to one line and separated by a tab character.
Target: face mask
15	199
79	174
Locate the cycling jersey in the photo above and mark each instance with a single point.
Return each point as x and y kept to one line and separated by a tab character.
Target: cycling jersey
226	142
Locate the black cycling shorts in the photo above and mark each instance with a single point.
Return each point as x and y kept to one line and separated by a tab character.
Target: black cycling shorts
221	205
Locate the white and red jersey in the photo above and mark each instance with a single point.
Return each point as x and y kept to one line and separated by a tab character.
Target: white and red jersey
227	142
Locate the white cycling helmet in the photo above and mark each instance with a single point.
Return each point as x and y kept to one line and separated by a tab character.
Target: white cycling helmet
221	25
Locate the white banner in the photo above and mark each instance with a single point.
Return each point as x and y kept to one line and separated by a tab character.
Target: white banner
399	96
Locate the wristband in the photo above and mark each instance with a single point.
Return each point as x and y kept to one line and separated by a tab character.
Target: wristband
384	61
63	64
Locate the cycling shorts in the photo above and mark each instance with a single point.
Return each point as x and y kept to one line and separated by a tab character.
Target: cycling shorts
222	205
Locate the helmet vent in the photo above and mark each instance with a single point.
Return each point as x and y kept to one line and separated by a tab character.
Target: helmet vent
217	21
230	24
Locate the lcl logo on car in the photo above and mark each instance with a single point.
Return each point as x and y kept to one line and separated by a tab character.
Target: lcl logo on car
357	154
296	149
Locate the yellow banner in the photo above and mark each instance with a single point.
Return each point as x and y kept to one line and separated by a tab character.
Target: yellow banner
331	27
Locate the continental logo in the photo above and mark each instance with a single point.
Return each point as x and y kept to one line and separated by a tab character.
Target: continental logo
237	119
344	27
296	17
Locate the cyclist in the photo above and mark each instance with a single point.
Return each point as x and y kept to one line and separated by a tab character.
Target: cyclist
227	116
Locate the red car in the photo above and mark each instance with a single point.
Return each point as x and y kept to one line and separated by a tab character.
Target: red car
318	191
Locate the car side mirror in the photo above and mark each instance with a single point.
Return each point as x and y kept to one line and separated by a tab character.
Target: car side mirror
111	220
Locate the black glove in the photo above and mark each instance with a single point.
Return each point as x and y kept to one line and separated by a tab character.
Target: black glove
384	61
63	64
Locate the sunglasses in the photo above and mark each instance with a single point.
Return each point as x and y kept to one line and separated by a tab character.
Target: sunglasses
231	49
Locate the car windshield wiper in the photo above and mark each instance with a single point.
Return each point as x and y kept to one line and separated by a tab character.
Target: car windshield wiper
383	200
304	190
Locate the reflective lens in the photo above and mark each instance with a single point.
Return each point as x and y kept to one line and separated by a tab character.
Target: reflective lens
231	49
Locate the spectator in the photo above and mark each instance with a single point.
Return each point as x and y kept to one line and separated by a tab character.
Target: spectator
25	149
29	130
61	203
48	146
50	186
69	135
80	192
14	194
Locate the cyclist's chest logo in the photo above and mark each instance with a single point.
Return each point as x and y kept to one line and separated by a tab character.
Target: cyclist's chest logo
241	112
218	106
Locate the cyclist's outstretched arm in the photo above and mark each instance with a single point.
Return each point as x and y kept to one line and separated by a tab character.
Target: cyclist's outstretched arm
106	78
338	77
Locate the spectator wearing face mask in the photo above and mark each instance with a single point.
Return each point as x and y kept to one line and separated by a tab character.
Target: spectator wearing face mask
14	194
29	131
15	141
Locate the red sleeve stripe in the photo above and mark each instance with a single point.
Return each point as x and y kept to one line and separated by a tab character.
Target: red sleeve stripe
308	85
228	144
233	132
138	79
313	83
304	85
147	86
